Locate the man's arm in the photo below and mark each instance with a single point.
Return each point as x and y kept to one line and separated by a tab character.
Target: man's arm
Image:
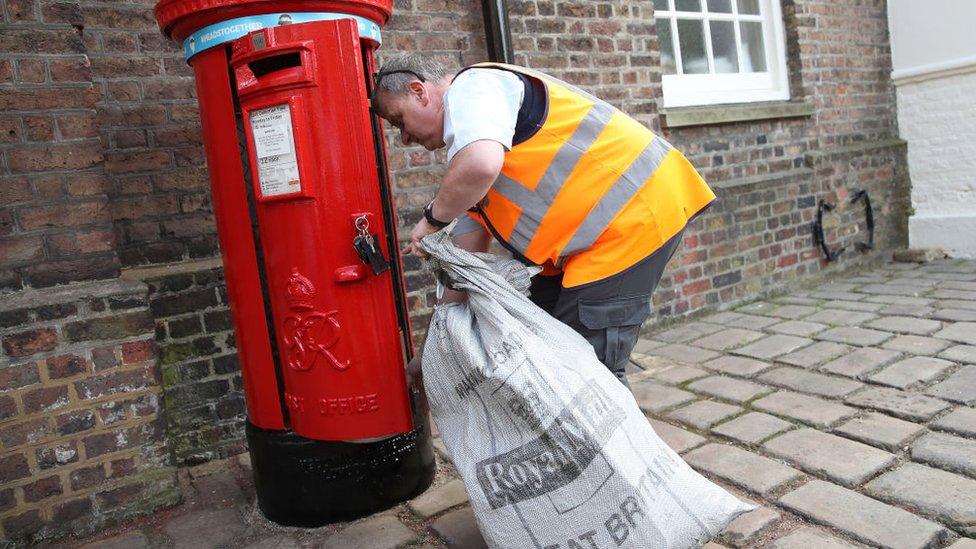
472	172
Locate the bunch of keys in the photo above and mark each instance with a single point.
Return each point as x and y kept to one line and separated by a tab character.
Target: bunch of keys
365	246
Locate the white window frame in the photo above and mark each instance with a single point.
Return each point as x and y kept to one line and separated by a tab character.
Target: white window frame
685	90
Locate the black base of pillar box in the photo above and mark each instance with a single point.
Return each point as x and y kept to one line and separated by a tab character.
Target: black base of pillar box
308	483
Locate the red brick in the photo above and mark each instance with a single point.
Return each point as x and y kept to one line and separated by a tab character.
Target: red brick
29	342
49	188
140	161
42	489
138	351
71	510
696	287
10	131
62	366
123	91
23	525
32	71
87	477
86	184
47	98
45	399
26	432
169	88
76	421
6	71
126	16
39	128
113	383
40	41
19	375
8	407
15	189
22	10
7	499
62	12
68	214
19	249
77	126
46	157
111	66
13	467
119	496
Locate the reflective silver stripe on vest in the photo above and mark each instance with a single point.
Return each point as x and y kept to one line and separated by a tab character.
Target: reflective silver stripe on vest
623	189
535	203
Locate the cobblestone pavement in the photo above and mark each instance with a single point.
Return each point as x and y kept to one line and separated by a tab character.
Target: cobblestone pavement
846	411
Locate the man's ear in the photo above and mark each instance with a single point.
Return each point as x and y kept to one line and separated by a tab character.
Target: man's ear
417	88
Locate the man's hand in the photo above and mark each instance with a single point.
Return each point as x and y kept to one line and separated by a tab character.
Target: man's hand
420	230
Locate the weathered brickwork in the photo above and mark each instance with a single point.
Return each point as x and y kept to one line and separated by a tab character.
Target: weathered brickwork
148	122
101	167
82	441
54	220
201	378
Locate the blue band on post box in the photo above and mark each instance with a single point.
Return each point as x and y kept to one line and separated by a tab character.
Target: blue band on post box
232	29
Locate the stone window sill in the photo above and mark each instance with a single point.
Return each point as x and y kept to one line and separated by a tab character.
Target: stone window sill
681	117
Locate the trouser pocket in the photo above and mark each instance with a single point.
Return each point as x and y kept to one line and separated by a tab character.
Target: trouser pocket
613	326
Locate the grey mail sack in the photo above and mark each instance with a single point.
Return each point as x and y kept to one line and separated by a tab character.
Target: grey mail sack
553	449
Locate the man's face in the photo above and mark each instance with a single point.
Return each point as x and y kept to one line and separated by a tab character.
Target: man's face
416	114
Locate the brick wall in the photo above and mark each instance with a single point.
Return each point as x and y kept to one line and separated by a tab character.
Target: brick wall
82	443
54	220
200	373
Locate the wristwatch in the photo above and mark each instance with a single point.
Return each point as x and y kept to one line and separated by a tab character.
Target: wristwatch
429	216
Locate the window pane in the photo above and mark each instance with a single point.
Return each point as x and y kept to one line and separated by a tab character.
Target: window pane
666	45
660	5
753	49
691	38
720	6
723	46
749	7
687	5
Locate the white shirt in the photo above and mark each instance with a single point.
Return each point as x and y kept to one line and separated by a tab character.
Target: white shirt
480	104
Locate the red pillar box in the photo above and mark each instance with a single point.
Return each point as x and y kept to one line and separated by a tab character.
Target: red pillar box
307	231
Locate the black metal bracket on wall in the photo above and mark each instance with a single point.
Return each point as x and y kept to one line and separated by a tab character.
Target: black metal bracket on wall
818	230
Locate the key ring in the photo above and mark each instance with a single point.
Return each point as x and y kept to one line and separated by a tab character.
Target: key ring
362	225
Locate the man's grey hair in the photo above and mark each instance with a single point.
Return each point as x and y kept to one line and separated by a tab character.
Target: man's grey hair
431	69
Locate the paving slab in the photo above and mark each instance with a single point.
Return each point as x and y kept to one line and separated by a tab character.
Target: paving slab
685	353
793	311
911	371
646	346
704	413
905	325
737	365
852	335
728	388
880	430
798	299
459	530
677	438
818	353
439	499
810	538
382	531
807	409
841	460
275	542
898	403
954	315
906	310
752	428
963	332
772	346
687	332
890	290
860	361
846	304
677	374
948	498
961	421
861	517
954	294
654	397
727	339
797	328
757	308
204	528
946	452
804	381
747	527
963	543
841	317
960	387
957	304
751	471
899	300
916	345
960	353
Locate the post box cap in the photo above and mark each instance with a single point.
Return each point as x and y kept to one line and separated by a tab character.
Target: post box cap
178	18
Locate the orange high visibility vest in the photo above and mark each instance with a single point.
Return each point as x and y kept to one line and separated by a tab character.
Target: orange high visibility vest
592	191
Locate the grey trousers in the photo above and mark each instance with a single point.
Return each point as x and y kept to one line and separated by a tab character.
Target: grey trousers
608	312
